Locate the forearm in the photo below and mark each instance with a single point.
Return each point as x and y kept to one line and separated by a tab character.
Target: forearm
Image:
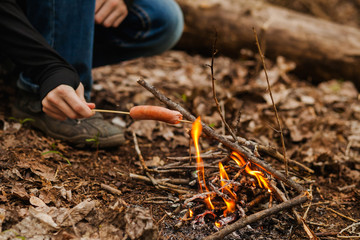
27	48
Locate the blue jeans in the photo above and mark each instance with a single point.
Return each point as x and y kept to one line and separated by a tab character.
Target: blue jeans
151	27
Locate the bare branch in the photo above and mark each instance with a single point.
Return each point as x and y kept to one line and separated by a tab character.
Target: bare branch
273	103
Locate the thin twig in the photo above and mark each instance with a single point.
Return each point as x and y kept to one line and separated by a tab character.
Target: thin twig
341	215
203	156
143	164
160	183
137	149
111	189
308	208
299	219
273	103
237	125
214	51
354	226
259	198
272	152
348	237
278	156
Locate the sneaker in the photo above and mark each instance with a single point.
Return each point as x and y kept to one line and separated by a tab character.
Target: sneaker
74	131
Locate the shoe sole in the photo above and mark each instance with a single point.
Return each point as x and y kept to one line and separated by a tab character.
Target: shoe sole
78	141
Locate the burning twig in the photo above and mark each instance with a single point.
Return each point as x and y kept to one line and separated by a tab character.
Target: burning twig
272	100
203	195
272	152
187	216
218	192
242	169
210	132
256	200
211	155
257	216
183	167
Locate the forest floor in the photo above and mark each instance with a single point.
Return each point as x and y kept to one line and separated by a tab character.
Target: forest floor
42	196
50	190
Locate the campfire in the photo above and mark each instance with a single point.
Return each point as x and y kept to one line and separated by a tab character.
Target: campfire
227	197
223	202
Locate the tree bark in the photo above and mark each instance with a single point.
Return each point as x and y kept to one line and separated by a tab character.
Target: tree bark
321	49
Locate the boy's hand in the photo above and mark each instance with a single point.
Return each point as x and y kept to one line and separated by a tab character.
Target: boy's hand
64	102
110	13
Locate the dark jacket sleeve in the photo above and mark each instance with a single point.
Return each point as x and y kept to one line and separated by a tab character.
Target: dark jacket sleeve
22	43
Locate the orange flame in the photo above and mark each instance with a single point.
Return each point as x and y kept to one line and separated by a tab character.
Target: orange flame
218	224
262	180
230	204
195	133
191	213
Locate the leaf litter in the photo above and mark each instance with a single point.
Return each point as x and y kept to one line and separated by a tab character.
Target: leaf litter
42	197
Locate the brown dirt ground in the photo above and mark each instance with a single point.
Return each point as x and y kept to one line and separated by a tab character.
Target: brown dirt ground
321	128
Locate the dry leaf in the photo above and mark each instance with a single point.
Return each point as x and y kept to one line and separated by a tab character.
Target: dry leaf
37	202
139	224
76	214
19	191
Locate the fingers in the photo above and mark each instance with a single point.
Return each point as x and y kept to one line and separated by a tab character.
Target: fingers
91	105
111	18
119	20
54	114
80	92
63	102
110	13
98	4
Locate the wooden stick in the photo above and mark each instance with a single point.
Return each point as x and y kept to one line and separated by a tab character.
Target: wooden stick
162	185
272	152
210	132
341	215
111	189
278	156
127	113
110	111
299	219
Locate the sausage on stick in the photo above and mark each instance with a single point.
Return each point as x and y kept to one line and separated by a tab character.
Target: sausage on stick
148	112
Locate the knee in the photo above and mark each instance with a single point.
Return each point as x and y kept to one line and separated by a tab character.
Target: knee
167	23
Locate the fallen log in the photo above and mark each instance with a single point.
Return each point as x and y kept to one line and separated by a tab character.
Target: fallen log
321	49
